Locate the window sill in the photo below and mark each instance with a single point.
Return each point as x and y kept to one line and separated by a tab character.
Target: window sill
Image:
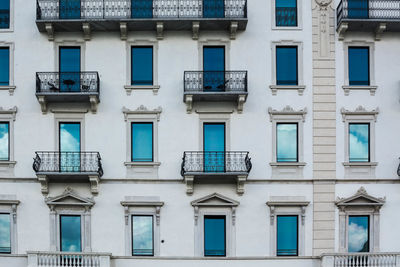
357	164
359	169
299	88
287	28
7	169
10	88
141	164
370	88
9	164
297	164
287	170
129	88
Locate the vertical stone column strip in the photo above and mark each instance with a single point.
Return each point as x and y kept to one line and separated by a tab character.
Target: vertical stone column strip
324	125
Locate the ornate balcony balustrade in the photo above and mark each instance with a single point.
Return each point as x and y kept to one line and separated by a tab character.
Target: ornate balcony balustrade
361	260
68	259
215	86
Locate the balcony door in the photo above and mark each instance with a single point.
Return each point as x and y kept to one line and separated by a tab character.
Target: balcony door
214	68
214	147
213	8
70	68
358	9
70	9
142	8
70	146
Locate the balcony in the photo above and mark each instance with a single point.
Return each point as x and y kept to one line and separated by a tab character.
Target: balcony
368	16
200	166
140	15
68	167
361	260
68	259
68	87
221	86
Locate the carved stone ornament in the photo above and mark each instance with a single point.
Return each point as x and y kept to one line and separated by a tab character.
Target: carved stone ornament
323	2
360	110
141	110
288	110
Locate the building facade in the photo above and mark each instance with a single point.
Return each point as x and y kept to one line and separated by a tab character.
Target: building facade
199	132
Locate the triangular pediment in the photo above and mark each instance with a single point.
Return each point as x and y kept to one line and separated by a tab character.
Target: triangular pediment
361	198
69	198
215	200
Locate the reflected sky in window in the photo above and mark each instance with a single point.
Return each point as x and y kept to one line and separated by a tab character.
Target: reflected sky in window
287	235
286	142
4	141
358	142
358	234
70	137
214	236
70	233
142	142
142	230
5	233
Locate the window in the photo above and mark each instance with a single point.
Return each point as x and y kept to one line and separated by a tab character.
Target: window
5	233
70	9
359	142
358	234
142	235
213	8
142	65
357	9
214	68
286	13
142	141
214	236
5	14
214	147
286	65
359	66
70	68
287	235
142	8
4	141
4	66
70	146
70	233
286	142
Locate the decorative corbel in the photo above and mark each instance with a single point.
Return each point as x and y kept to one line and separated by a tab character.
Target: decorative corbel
160	30
158	209
233	29
123	27
50	31
189	179
195	30
342	30
43	104
189	103
44	183
241	100
241	179
379	30
233	216
94	101
94	184
86	31
196	215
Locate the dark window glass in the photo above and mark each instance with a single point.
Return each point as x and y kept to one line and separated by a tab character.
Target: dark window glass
286	65
70	9
214	68
4	14
70	146
5	233
286	13
142	235
287	235
4	66
142	66
357	9
214	147
70	68
358	66
142	8
4	141
286	142
214	236
213	9
70	229
142	141
358	234
359	142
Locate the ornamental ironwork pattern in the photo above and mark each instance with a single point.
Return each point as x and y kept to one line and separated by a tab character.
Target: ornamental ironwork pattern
215	81
215	162
64	82
89	162
123	9
368	9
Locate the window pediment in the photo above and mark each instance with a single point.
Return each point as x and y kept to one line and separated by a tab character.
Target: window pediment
215	200
69	198
360	199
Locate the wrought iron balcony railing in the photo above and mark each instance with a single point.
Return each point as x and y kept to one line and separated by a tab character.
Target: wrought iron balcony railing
67	82
215	81
68	162
139	9
215	162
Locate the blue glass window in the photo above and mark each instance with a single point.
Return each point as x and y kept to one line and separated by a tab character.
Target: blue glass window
4	14
70	9
214	147
70	233
286	13
287	235
5	233
70	68
357	9
142	8
4	141
358	66
213	9
214	236
358	234
4	66
214	68
142	141
286	142
142	235
70	146
359	142
286	65
142	65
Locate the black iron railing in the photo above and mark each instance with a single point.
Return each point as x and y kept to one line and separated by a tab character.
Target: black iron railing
59	162
127	9
215	162
67	82
368	9
215	81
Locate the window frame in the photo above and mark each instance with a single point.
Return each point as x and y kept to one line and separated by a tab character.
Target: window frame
9	205
11	83
59	133
369	229
9	138
208	216
297	139
7	167
369	64
66	214
297	64
152	64
63	117
152	138
152	229
299	26
369	140
297	239
73	44
11	28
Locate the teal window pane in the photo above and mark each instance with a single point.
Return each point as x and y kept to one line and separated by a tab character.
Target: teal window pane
214	68
4	14
214	236
286	65
70	229
287	235
142	235
358	234
286	142
4	141
142	65
142	8
70	137
357	9
4	66
70	9
213	9
142	141
286	13
5	233
70	67
214	147
359	144
359	66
